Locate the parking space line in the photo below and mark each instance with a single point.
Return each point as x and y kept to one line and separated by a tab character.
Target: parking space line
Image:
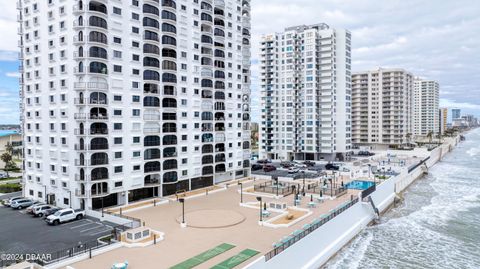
88	229
81	225
103	231
76	222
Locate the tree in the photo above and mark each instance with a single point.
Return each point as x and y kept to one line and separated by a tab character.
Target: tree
9	148
430	136
7	159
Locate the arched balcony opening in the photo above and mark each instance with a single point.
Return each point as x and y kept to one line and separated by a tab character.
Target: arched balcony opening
219	22
220	127
170	164
169	65
151	62
150	88
99	173
169	103
97	22
219	116
207	159
220	147
170	152
206	17
169	28
98	68
170	177
206	39
151	180
151	154
150	101
219	74
169	116
149	35
98	98
150	167
207	149
169	53
99	189
219	106
149	9
169	78
207	170
168	40
99	158
170	140
219	95
98	7
169	127
151	75
207	116
149	22
207	127
151	141
206	61
169	90
167	15
220	168
206	6
207	138
95	36
220	158
207	83
98	128
169	3
152	49
246	145
219	85
99	143
98	113
207	94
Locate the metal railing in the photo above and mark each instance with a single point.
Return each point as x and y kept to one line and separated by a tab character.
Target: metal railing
312	227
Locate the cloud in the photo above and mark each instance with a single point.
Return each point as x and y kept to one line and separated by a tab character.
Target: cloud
12	74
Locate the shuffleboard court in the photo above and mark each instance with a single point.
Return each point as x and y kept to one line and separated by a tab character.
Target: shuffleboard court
203	257
236	260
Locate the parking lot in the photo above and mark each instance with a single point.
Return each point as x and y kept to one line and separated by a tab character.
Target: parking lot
310	172
21	233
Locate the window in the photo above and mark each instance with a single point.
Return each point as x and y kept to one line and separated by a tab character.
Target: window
117	11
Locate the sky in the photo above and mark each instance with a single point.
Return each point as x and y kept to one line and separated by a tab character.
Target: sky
434	39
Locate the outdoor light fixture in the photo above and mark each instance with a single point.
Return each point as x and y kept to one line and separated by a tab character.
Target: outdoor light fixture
241	191
260	200
182	201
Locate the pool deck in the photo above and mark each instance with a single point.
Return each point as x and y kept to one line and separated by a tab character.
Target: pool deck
220	218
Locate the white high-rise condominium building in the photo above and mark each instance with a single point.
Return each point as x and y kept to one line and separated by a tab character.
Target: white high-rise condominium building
305	89
126	100
382	107
425	107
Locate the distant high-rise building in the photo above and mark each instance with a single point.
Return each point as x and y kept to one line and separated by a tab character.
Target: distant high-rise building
456	114
127	100
306	90
443	120
382	107
425	107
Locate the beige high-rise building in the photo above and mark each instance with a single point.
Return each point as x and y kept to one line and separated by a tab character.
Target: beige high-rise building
443	118
425	107
382	107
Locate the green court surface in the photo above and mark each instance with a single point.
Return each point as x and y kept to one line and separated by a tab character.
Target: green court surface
236	260
203	257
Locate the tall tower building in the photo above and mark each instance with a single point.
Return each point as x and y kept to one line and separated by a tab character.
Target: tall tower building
426	99
382	107
456	114
127	100
306	89
443	120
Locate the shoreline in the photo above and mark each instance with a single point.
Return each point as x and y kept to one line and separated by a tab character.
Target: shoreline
339	233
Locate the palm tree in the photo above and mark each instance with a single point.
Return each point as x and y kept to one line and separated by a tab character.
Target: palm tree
430	136
7	159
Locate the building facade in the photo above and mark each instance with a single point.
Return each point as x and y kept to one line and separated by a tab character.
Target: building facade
306	90
443	120
382	107
426	99
456	114
127	100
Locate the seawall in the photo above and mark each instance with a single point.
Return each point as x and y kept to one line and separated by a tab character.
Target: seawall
318	247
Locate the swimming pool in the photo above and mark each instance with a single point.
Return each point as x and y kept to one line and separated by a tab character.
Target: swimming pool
359	185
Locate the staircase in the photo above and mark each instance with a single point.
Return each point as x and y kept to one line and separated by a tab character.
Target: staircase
375	209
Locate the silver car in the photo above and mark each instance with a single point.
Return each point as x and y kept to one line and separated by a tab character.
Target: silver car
21	203
39	210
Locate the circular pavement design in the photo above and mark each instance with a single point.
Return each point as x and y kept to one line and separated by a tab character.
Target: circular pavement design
212	218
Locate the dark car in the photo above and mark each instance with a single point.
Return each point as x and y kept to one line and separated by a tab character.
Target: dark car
331	166
309	163
286	164
269	168
256	167
264	161
365	153
50	211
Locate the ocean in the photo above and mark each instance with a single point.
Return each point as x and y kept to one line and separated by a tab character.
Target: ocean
436	226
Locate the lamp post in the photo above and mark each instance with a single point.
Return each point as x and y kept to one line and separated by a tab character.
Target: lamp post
260	200
241	191
303	173
276	183
46	200
102	207
182	201
369	168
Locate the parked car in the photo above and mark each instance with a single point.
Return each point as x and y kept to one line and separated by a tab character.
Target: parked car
266	161
29	209
21	203
309	163
256	167
269	168
365	153
293	170
8	202
331	166
50	211
64	215
286	164
299	164
39	211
